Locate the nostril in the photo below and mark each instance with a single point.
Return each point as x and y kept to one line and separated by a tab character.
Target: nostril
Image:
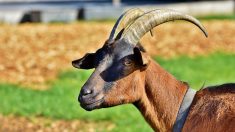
87	91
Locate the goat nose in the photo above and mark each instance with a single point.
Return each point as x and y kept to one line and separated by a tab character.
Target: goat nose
86	92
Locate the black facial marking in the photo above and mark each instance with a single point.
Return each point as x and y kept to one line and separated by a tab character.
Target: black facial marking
114	61
118	69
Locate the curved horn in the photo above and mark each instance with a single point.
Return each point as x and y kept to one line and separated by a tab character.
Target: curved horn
152	19
124	20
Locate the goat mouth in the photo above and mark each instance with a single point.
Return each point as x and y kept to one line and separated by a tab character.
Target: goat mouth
91	106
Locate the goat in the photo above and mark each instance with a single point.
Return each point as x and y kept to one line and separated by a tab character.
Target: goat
125	73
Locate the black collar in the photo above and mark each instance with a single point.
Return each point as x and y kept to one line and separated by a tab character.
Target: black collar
184	110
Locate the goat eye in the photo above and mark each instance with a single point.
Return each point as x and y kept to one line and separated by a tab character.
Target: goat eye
127	62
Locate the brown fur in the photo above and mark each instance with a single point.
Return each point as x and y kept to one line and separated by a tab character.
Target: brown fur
158	95
213	109
127	90
163	95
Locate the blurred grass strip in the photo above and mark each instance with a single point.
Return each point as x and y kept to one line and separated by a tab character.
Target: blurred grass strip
202	17
217	17
60	101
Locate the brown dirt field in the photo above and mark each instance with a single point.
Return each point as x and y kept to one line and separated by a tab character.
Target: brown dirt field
31	54
39	124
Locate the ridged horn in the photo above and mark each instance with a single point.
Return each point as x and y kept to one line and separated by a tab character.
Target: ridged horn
124	20
152	19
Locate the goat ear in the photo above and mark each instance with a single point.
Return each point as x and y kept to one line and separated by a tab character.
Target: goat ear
86	62
141	57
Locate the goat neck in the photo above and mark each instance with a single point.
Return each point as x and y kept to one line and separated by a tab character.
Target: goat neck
161	100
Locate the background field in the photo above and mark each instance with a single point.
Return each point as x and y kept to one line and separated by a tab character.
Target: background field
39	87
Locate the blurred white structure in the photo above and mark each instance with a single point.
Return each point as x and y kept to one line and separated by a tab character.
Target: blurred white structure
192	8
200	8
16	11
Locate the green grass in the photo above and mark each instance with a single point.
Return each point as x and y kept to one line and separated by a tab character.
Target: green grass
217	17
214	69
60	101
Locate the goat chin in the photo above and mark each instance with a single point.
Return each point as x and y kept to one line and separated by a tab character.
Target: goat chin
92	106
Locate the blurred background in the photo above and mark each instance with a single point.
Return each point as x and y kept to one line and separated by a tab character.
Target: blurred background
40	38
